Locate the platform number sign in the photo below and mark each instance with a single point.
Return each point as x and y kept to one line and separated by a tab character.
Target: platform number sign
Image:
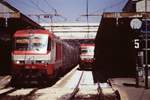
136	24
136	43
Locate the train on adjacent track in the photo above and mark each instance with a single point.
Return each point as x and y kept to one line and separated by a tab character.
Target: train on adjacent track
38	55
86	56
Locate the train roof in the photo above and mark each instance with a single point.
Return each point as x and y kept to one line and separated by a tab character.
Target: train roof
32	31
87	44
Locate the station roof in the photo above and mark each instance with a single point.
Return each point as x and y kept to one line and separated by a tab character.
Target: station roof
126	14
12	19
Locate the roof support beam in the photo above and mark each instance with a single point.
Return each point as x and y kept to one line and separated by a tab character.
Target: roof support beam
9	15
126	14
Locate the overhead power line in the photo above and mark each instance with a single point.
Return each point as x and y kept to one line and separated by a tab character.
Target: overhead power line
46	14
27	7
38	6
101	10
54	9
111	6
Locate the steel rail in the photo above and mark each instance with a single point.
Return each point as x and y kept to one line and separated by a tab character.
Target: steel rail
76	89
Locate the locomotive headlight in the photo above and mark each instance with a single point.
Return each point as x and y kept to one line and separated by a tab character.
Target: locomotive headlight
43	62
82	58
46	62
17	62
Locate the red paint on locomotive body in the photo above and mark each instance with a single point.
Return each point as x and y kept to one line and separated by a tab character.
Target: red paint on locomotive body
40	51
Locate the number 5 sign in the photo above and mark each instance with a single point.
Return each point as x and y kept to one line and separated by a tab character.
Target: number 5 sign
136	43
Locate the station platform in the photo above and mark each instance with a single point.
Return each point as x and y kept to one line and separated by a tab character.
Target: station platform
64	88
125	86
128	91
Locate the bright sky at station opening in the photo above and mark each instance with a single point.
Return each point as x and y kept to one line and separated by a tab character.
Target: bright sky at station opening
66	10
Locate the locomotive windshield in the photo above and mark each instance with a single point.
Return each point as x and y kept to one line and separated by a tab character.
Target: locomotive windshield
88	50
33	42
84	51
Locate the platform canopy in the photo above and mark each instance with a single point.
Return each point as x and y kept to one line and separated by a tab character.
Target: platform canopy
11	19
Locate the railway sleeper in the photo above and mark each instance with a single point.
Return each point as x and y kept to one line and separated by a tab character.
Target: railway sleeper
101	93
106	92
27	80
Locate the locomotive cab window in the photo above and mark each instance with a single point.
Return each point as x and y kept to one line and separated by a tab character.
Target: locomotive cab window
35	42
20	43
89	50
84	51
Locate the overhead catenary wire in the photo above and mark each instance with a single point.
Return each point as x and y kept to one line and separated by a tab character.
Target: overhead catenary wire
96	13
38	6
34	6
46	13
29	10
55	11
110	6
48	4
23	3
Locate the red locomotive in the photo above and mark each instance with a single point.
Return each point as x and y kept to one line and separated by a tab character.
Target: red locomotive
86	56
38	54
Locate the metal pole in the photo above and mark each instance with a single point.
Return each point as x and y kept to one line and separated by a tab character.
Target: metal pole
38	16
87	10
146	47
51	17
87	17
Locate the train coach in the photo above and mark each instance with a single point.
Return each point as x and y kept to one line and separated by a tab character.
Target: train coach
38	55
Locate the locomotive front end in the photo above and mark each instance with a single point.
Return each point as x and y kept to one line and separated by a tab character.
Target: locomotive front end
31	56
86	56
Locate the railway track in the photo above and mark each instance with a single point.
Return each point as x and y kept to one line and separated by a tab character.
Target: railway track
11	93
98	91
79	87
76	89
